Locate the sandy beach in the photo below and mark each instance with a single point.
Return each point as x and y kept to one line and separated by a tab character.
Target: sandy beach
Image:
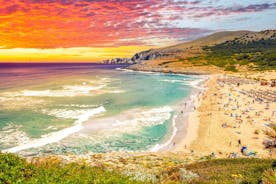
181	124
227	118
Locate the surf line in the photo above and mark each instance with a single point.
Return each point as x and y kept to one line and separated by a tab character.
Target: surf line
160	146
59	135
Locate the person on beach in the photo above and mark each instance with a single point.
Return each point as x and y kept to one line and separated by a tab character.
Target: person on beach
239	142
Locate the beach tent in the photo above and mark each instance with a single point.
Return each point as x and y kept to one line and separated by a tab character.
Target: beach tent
243	149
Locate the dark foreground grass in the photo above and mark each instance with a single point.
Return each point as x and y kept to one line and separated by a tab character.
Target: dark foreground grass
16	170
232	171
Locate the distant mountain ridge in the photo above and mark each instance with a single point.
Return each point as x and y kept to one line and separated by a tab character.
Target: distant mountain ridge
211	40
213	47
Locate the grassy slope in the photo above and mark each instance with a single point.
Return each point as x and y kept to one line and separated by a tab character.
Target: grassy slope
16	170
260	54
230	51
230	171
213	39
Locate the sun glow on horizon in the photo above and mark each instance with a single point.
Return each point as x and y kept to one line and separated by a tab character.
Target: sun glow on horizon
82	30
81	54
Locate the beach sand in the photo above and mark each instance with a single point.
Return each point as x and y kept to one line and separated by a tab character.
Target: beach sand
180	125
205	132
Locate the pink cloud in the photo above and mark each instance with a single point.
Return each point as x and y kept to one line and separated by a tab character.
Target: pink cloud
89	23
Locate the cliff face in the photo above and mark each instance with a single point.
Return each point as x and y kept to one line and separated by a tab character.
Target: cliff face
153	54
147	55
236	48
141	56
118	61
175	51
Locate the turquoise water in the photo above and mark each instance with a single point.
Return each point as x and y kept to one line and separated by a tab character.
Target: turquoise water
86	107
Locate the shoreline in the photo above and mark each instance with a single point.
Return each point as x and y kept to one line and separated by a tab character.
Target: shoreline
191	121
164	71
197	130
195	136
181	121
202	130
177	122
181	124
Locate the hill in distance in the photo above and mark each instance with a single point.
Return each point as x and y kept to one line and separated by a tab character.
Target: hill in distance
223	51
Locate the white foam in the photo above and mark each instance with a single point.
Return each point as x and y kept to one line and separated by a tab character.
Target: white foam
128	122
196	83
81	116
12	135
172	81
124	69
69	114
142	119
168	142
78	105
137	71
68	91
17	103
116	91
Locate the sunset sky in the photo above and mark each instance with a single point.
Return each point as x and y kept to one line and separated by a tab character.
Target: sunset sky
91	30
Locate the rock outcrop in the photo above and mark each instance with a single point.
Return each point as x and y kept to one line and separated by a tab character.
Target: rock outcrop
147	55
195	47
154	54
118	61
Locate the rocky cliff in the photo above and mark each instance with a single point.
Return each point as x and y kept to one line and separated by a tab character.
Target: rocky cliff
228	50
118	61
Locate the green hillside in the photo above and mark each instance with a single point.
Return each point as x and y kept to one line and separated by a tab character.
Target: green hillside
254	52
51	170
247	170
230	51
261	54
16	170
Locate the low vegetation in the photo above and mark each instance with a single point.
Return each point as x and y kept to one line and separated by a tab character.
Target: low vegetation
247	51
256	55
233	171
16	170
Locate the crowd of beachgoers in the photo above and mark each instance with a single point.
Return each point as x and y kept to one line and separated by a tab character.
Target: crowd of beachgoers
236	118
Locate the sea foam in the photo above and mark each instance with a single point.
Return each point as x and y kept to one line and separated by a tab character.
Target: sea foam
146	118
168	142
81	116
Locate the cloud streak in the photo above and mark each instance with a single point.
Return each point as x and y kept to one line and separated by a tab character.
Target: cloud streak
113	23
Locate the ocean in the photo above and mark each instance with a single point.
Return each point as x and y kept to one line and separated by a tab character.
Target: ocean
78	108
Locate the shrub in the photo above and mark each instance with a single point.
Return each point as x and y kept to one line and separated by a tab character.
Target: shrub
16	170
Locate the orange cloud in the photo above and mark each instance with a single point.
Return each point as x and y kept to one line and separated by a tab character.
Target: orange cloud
107	26
82	23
